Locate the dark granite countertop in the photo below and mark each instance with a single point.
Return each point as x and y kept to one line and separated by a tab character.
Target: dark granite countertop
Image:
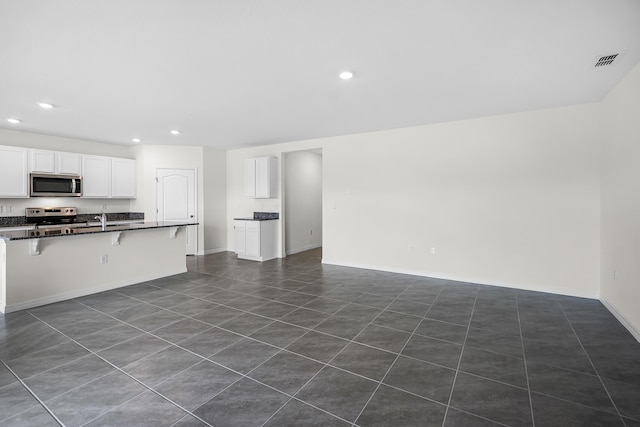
21	221
261	216
65	230
255	219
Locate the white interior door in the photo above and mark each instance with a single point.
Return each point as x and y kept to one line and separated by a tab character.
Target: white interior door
177	196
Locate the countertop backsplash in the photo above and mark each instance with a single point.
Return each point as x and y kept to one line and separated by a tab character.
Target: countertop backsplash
266	215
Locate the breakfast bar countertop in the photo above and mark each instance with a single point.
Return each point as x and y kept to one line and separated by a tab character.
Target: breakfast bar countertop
66	230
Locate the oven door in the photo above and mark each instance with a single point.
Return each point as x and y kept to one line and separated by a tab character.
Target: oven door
44	185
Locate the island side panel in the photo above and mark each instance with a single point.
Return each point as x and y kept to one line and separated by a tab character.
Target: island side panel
69	267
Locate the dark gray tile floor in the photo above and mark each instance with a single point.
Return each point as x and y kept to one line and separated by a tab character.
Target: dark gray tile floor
294	342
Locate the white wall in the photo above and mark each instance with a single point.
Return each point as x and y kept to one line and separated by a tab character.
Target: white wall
302	200
215	201
55	143
620	279
510	200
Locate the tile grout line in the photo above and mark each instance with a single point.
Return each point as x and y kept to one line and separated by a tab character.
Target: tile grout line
424	316
245	337
242	335
35	396
296	325
241	293
526	371
455	376
592	365
325	364
268	300
149	388
524	357
350	341
208	358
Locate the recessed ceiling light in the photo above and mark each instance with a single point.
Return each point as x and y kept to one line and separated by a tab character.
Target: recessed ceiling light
14	121
346	75
45	105
136	140
175	132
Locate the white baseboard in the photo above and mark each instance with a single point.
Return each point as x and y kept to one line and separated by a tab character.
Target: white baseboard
213	251
622	319
81	293
306	248
437	275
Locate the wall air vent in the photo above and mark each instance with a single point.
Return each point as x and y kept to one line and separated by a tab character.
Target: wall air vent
601	61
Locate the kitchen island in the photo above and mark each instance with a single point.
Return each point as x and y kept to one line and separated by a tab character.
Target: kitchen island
39	267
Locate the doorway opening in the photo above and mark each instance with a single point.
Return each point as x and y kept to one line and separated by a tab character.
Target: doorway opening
302	200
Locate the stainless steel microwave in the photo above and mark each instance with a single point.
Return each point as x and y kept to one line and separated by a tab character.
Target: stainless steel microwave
55	185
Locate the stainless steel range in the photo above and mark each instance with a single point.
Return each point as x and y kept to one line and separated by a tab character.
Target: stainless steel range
51	221
51	216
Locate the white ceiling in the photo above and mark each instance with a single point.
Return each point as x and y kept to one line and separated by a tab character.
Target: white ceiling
237	73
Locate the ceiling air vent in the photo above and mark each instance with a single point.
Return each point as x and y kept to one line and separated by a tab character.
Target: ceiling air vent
606	60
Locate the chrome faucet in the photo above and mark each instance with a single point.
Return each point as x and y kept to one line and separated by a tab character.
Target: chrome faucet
103	220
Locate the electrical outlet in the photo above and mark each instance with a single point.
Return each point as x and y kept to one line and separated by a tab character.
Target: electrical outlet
104	259
1	209
7	208
433	251
311	232
412	249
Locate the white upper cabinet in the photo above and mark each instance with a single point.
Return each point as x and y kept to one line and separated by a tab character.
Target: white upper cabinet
123	178
42	161
108	177
250	177
69	163
96	176
260	176
14	172
54	162
102	177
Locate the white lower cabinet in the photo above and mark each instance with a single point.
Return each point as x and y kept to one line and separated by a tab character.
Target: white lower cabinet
256	240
